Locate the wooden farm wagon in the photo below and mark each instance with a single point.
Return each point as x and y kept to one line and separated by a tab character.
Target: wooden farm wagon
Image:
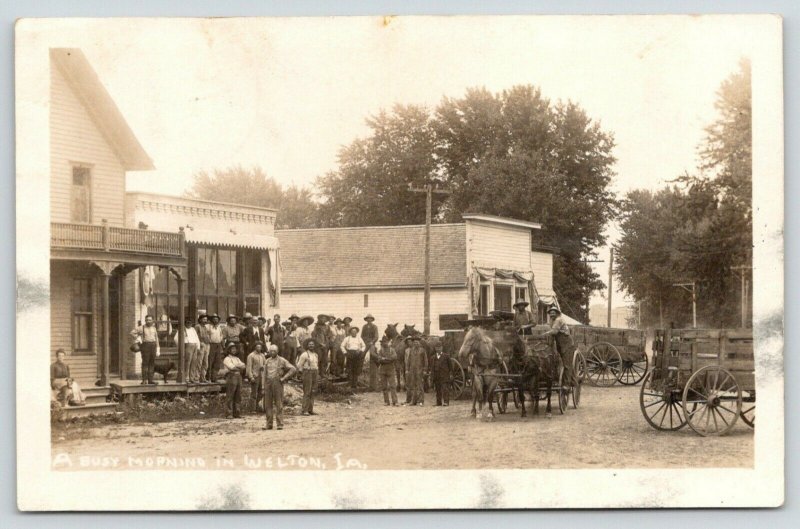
609	355
701	377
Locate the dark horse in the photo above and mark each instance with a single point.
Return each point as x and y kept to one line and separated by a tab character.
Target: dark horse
484	360
540	363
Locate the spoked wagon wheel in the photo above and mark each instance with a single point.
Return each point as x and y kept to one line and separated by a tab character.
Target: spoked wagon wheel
603	363
579	370
712	401
661	408
748	413
579	365
457	379
563	394
633	371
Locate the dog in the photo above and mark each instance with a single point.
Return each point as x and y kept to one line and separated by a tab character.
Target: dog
163	368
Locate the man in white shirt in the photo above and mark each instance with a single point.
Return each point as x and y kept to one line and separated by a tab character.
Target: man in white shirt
233	367
354	348
191	359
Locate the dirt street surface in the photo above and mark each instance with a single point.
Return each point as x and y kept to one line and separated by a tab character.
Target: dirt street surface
607	431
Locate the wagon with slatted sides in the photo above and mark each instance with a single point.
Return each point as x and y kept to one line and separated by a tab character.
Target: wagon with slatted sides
606	356
701	377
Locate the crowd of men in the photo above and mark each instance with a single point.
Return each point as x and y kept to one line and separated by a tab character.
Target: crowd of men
266	354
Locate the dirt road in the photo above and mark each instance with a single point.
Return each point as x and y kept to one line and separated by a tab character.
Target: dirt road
607	431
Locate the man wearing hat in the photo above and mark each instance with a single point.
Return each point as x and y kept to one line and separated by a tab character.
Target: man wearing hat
416	365
522	316
562	339
251	335
231	333
320	336
255	364
277	334
386	358
233	368
202	333
353	348
191	346
441	375
215	341
277	370
303	333
308	366
338	334
370	335
290	344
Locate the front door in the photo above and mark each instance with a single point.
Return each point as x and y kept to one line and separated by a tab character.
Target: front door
114	321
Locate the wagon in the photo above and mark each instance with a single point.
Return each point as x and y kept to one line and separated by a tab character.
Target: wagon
607	355
701	377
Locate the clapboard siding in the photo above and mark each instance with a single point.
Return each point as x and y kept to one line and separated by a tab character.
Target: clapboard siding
75	138
498	246
388	306
542	266
83	367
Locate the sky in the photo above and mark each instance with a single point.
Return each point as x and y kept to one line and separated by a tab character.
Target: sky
286	94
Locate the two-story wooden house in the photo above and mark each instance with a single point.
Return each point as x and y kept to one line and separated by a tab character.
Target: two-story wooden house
92	251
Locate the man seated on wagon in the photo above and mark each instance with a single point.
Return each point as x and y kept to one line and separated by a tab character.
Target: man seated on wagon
522	316
562	339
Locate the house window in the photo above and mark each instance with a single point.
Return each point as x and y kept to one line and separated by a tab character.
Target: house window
366	300
80	195
483	301
502	297
521	293
82	316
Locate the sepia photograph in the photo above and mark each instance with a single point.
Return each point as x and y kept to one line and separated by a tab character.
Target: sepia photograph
531	261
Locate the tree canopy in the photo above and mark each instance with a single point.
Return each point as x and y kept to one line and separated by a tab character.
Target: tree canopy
513	153
699	229
296	206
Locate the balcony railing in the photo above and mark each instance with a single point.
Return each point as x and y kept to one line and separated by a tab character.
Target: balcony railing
109	238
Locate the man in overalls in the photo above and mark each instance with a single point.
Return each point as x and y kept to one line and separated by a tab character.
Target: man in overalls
562	339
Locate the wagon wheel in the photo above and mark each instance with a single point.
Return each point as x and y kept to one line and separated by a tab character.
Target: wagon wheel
633	371
748	413
715	399
603	363
579	371
457	379
579	365
661	409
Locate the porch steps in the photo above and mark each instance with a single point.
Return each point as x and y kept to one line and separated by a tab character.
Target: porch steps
96	394
90	408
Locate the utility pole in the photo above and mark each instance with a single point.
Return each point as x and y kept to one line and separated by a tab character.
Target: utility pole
610	284
741	271
429	191
686	286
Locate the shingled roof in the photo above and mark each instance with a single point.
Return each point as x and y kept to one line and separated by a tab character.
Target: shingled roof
371	257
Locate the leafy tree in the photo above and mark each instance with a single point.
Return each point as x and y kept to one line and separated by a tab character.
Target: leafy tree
237	185
371	185
701	230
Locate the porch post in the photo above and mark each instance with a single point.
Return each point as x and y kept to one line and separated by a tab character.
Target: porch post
181	323
106	328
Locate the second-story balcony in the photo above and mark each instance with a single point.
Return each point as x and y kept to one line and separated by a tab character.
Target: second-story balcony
98	240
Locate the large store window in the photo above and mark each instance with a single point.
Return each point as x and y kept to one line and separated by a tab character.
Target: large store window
227	281
82	316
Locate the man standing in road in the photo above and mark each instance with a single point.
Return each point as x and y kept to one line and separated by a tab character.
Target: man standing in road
320	337
277	370
440	372
370	335
308	366
255	364
233	368
386	357
416	365
353	348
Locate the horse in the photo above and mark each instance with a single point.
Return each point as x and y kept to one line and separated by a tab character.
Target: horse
484	359
536	364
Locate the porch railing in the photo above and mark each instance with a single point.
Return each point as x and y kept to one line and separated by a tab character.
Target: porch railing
111	238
